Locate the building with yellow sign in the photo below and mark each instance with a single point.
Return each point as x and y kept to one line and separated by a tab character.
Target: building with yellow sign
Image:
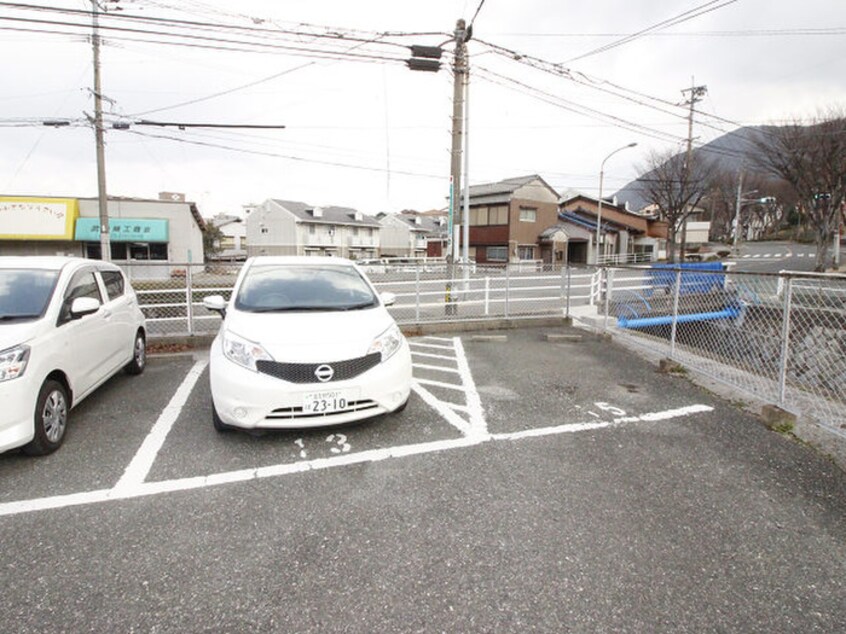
166	231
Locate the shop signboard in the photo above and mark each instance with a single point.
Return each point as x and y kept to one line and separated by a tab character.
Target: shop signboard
123	230
27	218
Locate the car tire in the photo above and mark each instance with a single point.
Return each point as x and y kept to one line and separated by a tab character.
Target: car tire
219	425
139	355
50	419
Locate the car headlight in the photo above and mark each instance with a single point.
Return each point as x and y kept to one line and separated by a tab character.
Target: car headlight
387	343
243	351
13	362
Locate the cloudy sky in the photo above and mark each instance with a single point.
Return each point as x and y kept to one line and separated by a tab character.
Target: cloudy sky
556	85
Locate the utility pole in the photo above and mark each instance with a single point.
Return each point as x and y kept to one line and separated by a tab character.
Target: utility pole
459	72
696	94
737	207
105	242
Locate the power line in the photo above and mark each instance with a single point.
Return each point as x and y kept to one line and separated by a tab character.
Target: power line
797	32
678	19
475	15
579	109
283	156
292	50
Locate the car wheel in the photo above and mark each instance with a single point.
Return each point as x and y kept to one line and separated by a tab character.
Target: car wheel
51	419
139	355
219	425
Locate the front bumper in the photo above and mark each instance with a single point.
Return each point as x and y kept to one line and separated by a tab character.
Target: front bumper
16	421
252	400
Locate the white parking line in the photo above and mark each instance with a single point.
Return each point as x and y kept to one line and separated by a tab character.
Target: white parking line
437	368
429	345
432	356
373	455
446	386
141	464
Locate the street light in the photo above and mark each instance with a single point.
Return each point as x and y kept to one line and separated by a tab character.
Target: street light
599	204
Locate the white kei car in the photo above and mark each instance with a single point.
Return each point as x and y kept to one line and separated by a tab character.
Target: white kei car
66	326
305	342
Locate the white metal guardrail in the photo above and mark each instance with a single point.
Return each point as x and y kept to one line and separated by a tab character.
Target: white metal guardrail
425	292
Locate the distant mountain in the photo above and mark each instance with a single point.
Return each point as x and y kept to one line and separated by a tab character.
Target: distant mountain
732	151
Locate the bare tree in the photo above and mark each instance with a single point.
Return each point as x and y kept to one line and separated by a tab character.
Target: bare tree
811	157
675	190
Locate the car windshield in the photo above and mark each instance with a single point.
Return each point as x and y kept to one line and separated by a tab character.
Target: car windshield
303	287
25	293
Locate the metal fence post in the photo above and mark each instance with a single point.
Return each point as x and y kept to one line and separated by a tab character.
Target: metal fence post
417	296
675	315
487	295
507	287
785	342
609	289
189	298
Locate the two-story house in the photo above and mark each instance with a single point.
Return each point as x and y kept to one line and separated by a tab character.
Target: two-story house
507	219
408	233
285	227
624	236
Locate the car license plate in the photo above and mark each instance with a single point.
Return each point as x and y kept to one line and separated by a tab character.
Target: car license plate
327	402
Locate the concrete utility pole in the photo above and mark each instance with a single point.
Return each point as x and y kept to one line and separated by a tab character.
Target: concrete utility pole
459	74
105	242
696	94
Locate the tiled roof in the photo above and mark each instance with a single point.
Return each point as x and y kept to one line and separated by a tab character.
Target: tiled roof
330	215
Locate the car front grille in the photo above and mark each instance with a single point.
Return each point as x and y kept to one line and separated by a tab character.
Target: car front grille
305	372
296	413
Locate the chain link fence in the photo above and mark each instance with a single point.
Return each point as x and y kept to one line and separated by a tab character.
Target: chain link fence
777	337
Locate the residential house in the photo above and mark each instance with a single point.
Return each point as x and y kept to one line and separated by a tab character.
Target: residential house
233	238
694	232
624	236
285	227
508	218
408	233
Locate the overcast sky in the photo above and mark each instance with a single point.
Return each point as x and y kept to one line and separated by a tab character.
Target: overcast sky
369	133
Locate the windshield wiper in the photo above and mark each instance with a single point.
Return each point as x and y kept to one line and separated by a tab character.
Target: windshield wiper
21	316
287	309
357	306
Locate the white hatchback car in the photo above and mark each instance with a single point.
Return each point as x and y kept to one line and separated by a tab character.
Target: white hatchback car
305	342
66	326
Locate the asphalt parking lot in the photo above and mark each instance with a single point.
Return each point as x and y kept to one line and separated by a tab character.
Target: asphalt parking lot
528	486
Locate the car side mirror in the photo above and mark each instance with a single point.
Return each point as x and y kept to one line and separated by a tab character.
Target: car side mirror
388	298
215	303
83	306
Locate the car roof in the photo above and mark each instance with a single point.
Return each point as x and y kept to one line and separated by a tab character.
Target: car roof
46	262
299	259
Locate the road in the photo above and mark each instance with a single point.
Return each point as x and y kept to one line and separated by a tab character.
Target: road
528	486
773	257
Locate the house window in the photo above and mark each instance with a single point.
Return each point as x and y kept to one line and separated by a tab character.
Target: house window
527	214
478	216
498	215
355	231
526	253
311	230
497	254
